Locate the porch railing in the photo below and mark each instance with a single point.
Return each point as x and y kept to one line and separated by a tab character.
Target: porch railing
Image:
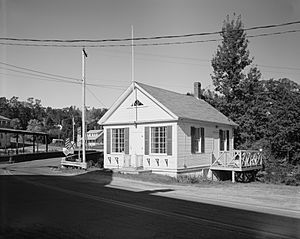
239	159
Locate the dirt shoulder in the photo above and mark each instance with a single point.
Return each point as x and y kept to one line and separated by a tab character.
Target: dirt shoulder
273	199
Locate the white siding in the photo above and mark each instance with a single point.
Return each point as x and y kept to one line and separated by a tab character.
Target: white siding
186	158
157	162
149	111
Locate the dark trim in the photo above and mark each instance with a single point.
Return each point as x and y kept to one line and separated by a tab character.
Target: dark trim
169	140
140	123
147	134
186	120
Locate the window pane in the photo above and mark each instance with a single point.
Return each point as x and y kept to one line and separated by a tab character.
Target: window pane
158	139
117	140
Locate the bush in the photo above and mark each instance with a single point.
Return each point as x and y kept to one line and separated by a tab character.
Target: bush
191	179
291	181
281	174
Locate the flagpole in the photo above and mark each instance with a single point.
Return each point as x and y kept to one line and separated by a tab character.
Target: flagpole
132	56
73	129
84	55
132	75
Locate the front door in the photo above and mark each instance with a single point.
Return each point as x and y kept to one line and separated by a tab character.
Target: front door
136	146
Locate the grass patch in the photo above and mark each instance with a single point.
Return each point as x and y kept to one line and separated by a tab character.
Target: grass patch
147	177
164	179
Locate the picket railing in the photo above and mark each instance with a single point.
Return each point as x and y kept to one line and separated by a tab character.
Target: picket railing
239	159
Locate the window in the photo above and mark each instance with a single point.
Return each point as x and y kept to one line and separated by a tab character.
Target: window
158	140
224	140
118	141
198	140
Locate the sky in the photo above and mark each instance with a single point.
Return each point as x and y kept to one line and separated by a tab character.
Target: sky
108	69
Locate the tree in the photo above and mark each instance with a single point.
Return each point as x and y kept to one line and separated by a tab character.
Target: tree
93	116
231	58
282	127
35	126
15	123
237	89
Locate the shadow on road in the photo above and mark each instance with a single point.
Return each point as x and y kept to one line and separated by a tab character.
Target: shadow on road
82	207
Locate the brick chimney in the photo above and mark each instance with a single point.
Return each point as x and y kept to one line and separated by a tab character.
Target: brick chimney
197	90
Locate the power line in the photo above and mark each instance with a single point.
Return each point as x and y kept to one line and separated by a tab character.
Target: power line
40	72
53	79
147	38
37	78
191	59
281	67
32	74
96	97
144	44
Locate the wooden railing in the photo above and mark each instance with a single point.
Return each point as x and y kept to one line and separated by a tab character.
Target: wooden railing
239	159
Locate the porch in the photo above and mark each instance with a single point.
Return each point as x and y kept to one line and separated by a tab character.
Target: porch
242	163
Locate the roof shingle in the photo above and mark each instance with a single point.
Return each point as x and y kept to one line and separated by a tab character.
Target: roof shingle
187	107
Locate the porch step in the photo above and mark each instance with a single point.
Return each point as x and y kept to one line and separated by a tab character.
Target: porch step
130	170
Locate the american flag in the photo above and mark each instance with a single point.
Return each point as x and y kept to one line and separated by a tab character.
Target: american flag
69	147
68	144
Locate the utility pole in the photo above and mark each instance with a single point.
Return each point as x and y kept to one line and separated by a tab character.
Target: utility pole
84	55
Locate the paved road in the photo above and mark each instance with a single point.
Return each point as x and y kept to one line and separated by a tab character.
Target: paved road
76	207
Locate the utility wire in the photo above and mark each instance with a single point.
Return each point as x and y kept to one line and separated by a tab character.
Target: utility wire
280	67
48	78
40	72
32	74
148	38
96	97
194	59
144	44
43	73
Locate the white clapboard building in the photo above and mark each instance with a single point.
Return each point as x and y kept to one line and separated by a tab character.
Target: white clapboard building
163	131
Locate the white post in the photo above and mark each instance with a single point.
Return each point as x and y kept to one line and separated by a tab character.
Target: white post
132	74
84	55
233	176
132	55
73	123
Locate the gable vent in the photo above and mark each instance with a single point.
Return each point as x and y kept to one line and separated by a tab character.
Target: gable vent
137	103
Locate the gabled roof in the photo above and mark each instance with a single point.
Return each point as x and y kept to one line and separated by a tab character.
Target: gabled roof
187	107
180	106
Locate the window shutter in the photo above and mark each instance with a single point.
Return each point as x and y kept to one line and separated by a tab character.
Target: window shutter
169	140
108	141
193	139
227	139
202	141
146	140
126	140
221	138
